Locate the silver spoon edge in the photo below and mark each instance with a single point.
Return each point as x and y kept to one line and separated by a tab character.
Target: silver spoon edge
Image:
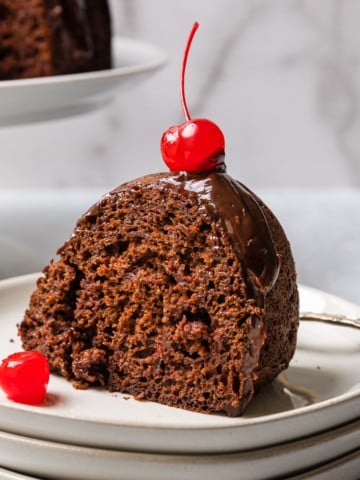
331	318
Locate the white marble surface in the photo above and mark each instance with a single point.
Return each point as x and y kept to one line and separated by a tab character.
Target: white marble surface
281	78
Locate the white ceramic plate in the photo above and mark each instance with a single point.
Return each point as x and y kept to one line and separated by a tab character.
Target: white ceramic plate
6	474
47	98
322	373
346	467
47	459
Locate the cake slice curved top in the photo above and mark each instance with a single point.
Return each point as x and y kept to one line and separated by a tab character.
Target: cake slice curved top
175	288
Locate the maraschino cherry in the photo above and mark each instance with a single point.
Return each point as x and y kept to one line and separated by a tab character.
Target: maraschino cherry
196	145
24	377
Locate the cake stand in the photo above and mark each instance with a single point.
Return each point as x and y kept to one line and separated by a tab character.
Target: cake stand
61	96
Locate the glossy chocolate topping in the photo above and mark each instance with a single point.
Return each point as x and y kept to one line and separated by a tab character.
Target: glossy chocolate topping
243	220
238	210
233	206
71	32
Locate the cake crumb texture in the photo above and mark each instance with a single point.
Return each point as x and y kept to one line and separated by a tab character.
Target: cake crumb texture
52	37
148	298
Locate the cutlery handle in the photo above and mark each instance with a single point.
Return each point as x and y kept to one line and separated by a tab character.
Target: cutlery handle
330	318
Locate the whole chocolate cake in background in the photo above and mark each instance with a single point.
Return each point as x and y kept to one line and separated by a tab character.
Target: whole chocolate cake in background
53	37
176	287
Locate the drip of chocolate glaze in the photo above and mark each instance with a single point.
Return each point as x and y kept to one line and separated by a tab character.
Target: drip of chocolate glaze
72	40
242	219
237	208
241	216
246	226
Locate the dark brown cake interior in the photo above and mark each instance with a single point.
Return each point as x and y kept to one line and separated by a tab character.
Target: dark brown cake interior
148	297
52	37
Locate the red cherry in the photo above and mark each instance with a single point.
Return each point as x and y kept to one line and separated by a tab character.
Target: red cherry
24	377
196	145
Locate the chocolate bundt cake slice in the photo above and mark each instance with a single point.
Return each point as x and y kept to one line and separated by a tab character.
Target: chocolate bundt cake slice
177	288
52	37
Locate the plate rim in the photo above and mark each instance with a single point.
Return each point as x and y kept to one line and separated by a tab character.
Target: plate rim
325	404
330	467
296	417
321	446
44	99
160	57
296	443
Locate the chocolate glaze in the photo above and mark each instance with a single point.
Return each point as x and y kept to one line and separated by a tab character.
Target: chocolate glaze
70	28
241	216
236	207
243	220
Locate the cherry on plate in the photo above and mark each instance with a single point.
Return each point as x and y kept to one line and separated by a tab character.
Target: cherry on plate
24	377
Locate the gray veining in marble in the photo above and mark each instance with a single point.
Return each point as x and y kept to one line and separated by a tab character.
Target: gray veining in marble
280	77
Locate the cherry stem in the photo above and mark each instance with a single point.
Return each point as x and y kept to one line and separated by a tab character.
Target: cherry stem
183	68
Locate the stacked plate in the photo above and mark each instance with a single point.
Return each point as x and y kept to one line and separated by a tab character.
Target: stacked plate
304	426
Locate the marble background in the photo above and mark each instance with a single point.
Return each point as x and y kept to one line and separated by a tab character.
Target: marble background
280	77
